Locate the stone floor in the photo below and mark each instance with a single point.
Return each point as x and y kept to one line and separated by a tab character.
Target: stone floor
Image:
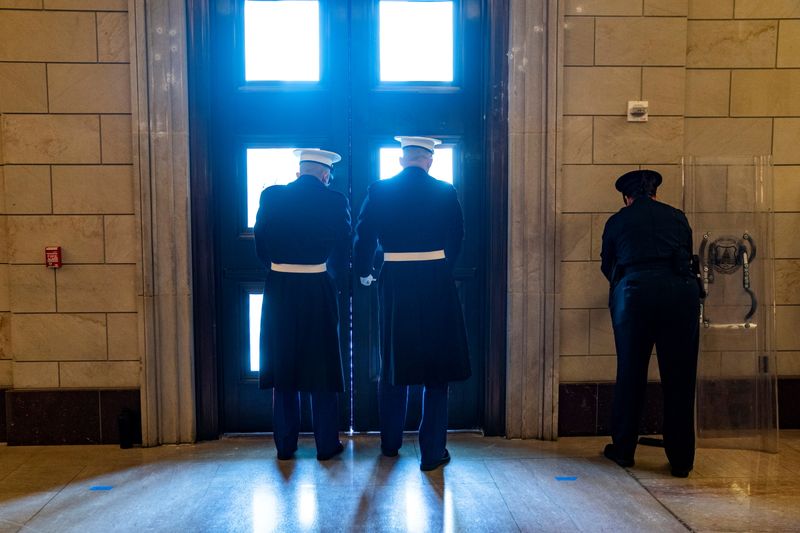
492	484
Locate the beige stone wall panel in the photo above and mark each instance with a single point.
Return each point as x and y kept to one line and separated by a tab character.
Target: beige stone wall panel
787	188
48	36
23	88
666	8
789	44
659	141
728	136
787	281
576	237
788	363
111	375
88	5
121	239
21	4
113	45
32	288
708	93
786	147
27	189
81	189
46	139
732	44
35	375
5	336
5	298
99	88
600	90
656	41
116	139
58	337
787	245
578	41
577	139
759	9
664	89
123	336
583	286
80	238
574	332
601	333
3	234
603	7
96	288
590	188
758	93
598	225
711	9
6	374
593	368
787	317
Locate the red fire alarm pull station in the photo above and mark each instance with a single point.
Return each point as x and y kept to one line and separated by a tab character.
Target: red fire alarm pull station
52	256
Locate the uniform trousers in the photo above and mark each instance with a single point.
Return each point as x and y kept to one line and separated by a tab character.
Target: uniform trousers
392	403
286	421
656	308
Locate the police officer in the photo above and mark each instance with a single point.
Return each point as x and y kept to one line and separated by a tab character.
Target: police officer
302	235
646	255
418	223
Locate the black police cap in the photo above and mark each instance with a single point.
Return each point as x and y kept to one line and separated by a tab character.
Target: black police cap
630	180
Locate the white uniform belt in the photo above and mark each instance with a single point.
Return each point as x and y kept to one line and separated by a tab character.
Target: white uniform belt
413	256
298	269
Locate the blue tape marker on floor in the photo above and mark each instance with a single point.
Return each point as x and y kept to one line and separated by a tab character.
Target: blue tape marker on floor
566	478
101	487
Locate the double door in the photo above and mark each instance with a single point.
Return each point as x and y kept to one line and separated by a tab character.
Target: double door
346	76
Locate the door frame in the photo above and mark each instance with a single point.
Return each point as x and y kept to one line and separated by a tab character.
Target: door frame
207	364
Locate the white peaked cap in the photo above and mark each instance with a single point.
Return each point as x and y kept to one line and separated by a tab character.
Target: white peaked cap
323	157
420	142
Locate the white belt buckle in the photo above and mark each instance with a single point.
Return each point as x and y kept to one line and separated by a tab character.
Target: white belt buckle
414	256
298	269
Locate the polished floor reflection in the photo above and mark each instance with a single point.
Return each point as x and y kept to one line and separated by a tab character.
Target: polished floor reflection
491	485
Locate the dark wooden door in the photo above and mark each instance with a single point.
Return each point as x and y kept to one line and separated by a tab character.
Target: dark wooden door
355	109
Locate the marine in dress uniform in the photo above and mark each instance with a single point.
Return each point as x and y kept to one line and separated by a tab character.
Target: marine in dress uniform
417	221
654	300
302	235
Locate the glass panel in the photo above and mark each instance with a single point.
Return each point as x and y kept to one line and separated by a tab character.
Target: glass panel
281	40
255	330
442	167
267	167
729	206
416	40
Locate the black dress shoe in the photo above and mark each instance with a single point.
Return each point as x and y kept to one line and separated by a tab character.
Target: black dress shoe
433	466
611	452
680	472
388	453
339	449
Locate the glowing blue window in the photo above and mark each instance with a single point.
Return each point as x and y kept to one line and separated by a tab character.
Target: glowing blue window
267	167
281	40
255	330
416	41
442	167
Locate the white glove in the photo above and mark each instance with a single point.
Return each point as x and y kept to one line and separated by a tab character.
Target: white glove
367	281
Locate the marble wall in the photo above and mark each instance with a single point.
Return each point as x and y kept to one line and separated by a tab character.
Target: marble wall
722	78
67	179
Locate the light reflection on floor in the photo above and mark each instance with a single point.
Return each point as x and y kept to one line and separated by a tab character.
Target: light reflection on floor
491	485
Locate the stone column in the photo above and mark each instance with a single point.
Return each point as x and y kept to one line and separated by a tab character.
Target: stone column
161	161
532	365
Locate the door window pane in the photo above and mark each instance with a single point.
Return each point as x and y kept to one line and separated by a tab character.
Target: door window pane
281	40
442	167
416	41
255	330
267	167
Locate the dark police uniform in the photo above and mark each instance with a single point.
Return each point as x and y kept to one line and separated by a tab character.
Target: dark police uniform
646	254
423	338
302	223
